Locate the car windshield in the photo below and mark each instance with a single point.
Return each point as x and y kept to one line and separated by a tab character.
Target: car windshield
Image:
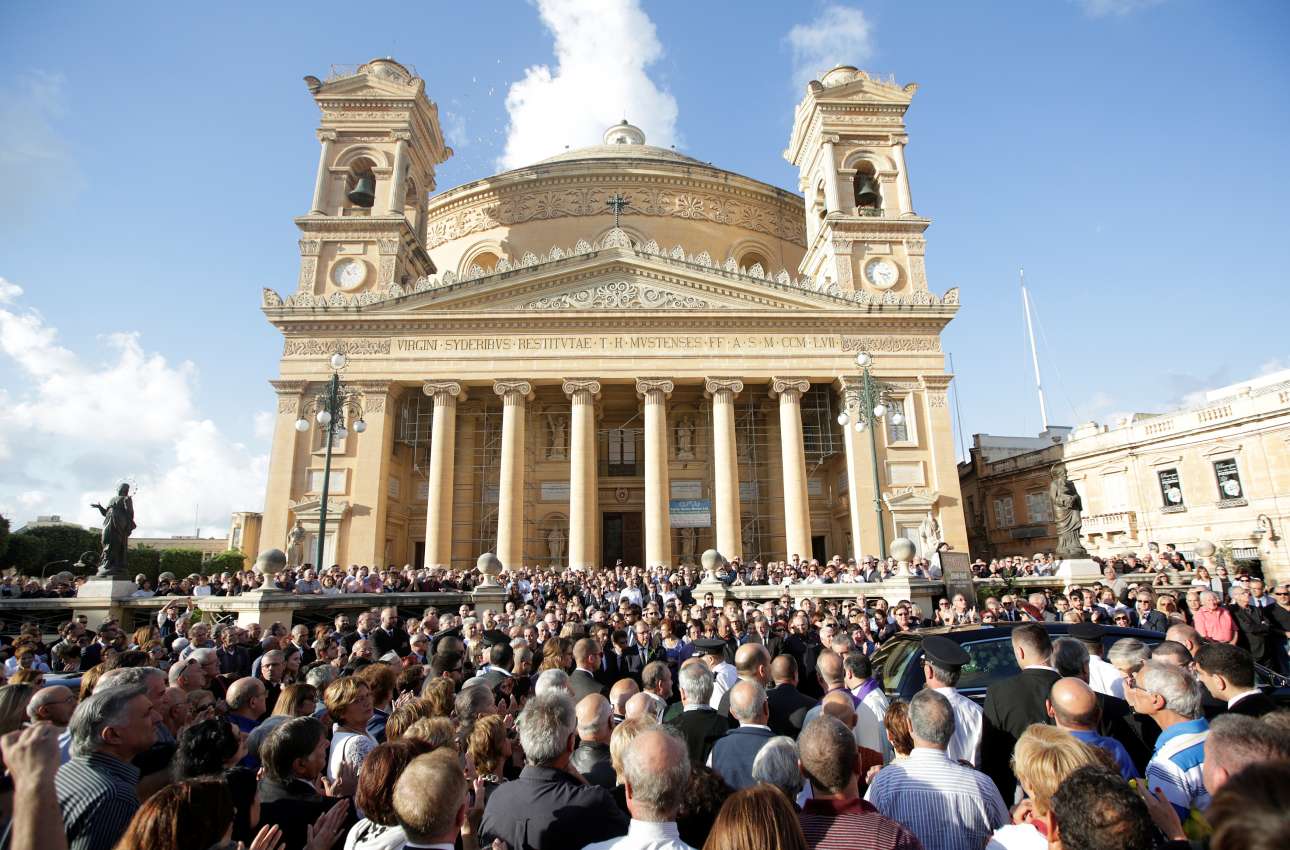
892	660
989	661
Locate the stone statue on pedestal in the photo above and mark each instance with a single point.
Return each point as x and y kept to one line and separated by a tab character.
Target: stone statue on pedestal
555	546
1067	514
559	425
689	543
929	535
118	525
296	544
685	438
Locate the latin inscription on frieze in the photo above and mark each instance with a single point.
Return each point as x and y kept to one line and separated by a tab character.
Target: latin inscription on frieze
620	343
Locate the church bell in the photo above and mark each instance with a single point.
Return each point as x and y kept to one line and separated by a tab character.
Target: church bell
867	192
364	192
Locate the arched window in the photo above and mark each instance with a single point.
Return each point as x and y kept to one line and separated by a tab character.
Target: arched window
753	258
868	199
486	261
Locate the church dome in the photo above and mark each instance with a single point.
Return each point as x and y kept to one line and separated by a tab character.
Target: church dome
621	141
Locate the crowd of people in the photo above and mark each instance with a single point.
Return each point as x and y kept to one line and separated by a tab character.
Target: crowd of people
629	708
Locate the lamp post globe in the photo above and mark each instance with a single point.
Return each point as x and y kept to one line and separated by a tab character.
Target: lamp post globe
302	424
897	419
324	418
863	359
843	419
879	410
360	426
338	361
860	426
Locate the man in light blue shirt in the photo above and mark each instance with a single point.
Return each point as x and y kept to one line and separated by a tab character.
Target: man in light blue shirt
1073	706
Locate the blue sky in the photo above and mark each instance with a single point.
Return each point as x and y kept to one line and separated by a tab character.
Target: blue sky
1131	154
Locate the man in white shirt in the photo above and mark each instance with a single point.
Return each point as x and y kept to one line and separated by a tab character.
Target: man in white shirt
656	770
724	674
1103	676
943	660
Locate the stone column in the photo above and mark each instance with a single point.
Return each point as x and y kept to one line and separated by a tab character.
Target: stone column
510	499
797	507
658	528
902	178
446	394
849	393
583	502
324	166
395	204
832	197
289	453
725	459
366	533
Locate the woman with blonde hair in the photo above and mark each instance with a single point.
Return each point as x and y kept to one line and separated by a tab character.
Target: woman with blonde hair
440	694
298	700
402	718
349	702
13	706
1042	759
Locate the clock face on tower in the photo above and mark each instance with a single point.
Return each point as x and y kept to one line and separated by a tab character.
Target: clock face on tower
349	273
883	274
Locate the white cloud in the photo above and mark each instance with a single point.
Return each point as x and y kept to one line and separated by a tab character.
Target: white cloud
71	426
602	48
36	162
1115	8
841	35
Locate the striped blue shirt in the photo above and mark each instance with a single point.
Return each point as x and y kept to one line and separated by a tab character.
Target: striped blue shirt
1175	767
946	805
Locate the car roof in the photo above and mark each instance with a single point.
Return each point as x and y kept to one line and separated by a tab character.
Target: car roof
976	631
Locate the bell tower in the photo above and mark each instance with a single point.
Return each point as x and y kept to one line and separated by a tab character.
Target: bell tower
380	144
848	144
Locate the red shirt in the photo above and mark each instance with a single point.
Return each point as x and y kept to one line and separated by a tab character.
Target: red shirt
852	825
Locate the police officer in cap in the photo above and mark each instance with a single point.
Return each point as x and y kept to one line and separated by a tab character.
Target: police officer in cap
724	674
943	659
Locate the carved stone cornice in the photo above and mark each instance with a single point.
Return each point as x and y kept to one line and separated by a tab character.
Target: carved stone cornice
645	386
507	387
618	295
793	388
713	386
290	395
453	389
891	343
375	394
936	388
573	386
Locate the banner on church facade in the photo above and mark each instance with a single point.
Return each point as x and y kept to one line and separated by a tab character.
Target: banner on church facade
690	513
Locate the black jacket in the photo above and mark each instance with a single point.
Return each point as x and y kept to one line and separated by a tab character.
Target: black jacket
592	760
548	809
701	728
788	707
583	684
294	806
734	754
1253	628
1255	705
383	642
1010	706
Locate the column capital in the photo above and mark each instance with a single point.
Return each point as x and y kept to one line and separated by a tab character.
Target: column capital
713	386
513	386
400	135
374	394
792	387
448	388
851	389
648	385
572	386
326	135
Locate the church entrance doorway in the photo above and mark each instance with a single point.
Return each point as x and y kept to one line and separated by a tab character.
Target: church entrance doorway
622	539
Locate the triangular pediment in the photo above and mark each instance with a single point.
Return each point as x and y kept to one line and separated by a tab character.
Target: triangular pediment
365	85
622	281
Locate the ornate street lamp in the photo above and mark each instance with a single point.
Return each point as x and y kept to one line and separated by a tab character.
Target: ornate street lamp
330	409
867	407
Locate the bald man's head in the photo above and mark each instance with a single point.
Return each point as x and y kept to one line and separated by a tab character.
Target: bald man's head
1184	634
784	670
645	704
748	703
593	712
752	661
838	704
1073	704
829	668
623	690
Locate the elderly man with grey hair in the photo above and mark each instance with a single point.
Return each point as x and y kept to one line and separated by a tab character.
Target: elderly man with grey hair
552	682
946	805
777	764
1171	697
98	789
699	723
733	755
548	807
655	775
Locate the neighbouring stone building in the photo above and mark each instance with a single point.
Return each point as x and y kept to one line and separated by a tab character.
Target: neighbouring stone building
1217	471
619	352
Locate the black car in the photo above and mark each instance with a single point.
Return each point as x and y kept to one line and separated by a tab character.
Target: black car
899	660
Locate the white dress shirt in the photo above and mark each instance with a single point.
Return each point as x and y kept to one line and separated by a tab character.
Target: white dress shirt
645	835
968	717
724	676
1104	677
1234	700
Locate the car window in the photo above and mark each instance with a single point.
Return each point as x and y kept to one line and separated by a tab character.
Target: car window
892	661
988	662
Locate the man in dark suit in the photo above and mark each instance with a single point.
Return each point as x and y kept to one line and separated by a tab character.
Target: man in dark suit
300	640
548	807
389	637
586	659
1014	703
788	705
363	632
1227	672
734	754
591	758
642	651
1251	623
1145	615
699	723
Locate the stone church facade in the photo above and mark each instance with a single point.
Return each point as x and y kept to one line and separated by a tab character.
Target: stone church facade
619	352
